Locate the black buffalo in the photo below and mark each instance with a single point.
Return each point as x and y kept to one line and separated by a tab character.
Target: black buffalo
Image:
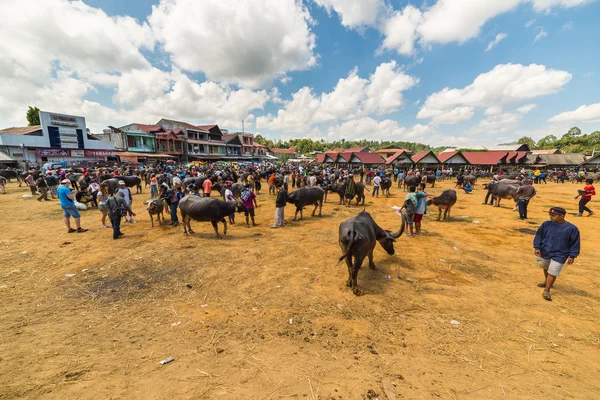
386	184
358	237
207	209
411	181
11	174
339	188
444	201
500	191
305	196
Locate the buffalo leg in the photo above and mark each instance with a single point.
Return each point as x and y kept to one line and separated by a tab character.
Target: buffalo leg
189	226
371	263
216	228
296	214
185	222
440	213
224	226
349	263
315	209
152	220
355	269
433	184
320	207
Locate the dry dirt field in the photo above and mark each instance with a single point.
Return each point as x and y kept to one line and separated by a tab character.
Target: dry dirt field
268	316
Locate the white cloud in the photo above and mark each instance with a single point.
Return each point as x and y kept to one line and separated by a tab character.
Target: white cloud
371	129
506	84
453	21
499	37
583	113
400	30
352	97
541	34
526	108
493	111
460	20
500	123
546	5
243	42
568	26
454	116
285	79
354	13
530	23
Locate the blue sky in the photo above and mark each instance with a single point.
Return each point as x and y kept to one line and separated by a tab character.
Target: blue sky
324	69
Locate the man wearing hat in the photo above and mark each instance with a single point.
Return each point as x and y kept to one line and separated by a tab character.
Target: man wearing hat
556	243
128	200
66	196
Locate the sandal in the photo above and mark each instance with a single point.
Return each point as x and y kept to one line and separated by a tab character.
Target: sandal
72	230
547	295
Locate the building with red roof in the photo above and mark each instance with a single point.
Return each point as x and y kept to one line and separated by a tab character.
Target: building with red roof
401	158
425	157
486	157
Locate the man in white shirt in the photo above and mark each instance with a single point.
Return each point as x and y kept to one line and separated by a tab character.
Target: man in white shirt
128	200
376	185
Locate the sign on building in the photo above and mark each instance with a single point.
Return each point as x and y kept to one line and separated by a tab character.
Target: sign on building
64	131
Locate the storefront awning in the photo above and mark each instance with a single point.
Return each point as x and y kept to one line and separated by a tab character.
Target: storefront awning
142	155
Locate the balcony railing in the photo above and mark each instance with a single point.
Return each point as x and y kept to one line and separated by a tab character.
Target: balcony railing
142	149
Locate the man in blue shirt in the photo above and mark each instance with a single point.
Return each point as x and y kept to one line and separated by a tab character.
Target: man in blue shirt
556	243
67	202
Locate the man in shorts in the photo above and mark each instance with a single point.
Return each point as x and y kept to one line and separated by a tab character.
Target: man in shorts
556	243
410	205
249	201
66	196
349	190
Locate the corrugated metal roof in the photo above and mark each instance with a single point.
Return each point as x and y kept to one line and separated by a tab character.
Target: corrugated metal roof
547	151
25	130
562	159
5	158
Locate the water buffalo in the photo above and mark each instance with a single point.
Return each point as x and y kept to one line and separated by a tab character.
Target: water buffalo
305	196
445	201
471	179
236	189
411	181
509	182
11	174
155	207
358	237
198	181
339	189
500	191
386	184
207	209
131	181
113	184
429	179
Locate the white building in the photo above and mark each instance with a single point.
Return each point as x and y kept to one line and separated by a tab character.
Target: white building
59	138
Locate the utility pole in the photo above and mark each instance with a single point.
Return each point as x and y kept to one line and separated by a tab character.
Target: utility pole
242	126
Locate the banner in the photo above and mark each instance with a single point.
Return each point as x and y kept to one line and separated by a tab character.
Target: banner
53	152
97	153
128	159
77	153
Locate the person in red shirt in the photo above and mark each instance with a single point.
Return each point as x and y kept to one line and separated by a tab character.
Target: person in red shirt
206	187
590	191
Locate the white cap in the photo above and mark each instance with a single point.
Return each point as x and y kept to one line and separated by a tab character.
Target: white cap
65	181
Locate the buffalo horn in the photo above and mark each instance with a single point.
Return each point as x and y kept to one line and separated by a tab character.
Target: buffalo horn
396	235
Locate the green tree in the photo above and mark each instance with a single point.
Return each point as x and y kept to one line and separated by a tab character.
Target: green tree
33	116
528	141
574	131
547	142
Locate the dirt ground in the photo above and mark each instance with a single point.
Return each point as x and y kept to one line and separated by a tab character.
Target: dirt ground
265	313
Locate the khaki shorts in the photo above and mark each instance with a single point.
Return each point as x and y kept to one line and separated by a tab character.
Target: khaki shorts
553	267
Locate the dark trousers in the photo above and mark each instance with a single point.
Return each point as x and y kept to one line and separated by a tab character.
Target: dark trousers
43	193
487	196
94	199
375	191
32	188
523	203
173	208
582	206
116	225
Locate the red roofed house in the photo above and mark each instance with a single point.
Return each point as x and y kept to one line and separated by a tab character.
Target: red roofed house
203	142
140	138
170	142
357	150
367	158
399	159
486	157
391	151
327	158
452	158
284	154
343	158
425	158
